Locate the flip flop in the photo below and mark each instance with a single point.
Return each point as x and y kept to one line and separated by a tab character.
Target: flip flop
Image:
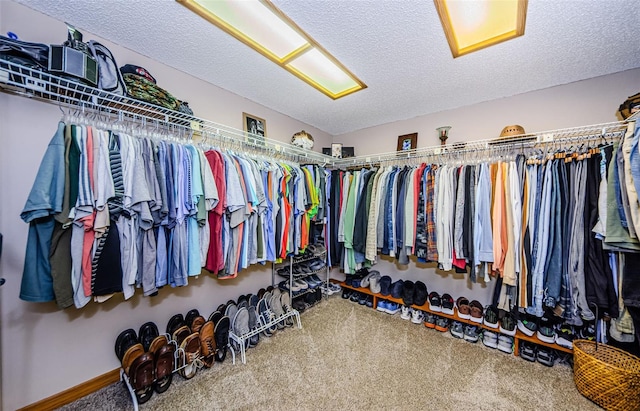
142	376
221	335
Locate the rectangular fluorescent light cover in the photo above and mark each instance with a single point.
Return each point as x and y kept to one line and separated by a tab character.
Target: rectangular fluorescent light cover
266	29
471	25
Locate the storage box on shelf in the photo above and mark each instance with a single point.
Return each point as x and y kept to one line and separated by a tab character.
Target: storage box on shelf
518	337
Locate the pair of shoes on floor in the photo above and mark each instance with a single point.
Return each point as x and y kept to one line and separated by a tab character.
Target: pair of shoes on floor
532	352
388	307
147	360
494	340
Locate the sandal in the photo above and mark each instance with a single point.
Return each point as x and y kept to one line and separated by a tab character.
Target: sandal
463	308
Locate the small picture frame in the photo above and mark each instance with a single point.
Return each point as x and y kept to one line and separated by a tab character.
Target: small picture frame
407	142
336	150
255	127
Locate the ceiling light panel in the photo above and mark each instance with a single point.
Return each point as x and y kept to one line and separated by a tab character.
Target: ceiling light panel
471	25
323	71
263	27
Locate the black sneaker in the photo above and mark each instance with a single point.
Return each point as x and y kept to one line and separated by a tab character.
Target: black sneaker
369	302
527	324
508	324
491	317
546	356
346	293
546	332
588	331
528	351
362	299
355	296
564	336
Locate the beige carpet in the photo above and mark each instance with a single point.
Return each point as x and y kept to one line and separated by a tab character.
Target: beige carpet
349	357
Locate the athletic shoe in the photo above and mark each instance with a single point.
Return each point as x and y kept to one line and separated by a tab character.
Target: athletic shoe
490	339
505	344
546	356
435	304
429	320
546	332
527	325
588	331
471	333
491	317
417	316
346	293
457	329
362	299
462	305
447	304
508	324
406	312
528	351
382	306
315	278
302	284
442	324
355	296
392	308
476	310
369	302
564	336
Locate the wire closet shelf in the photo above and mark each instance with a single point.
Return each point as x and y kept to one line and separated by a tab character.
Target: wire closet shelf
70	94
539	143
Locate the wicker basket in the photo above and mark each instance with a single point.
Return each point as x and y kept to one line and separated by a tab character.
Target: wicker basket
606	375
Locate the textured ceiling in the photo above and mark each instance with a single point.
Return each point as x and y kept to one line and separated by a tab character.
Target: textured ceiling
397	48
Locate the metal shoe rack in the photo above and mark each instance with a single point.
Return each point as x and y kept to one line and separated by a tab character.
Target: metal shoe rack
297	260
180	362
268	323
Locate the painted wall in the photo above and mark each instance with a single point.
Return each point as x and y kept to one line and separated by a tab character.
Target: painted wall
44	350
581	103
591	101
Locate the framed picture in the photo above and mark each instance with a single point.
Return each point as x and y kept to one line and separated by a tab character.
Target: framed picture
336	150
348	152
407	142
255	126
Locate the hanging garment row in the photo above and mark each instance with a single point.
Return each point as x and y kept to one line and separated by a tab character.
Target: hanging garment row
109	213
541	226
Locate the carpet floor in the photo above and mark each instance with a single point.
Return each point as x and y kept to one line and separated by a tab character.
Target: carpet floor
349	357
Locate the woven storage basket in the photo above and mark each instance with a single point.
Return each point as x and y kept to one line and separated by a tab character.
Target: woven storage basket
606	375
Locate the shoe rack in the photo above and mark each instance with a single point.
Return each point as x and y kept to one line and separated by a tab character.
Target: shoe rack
268	322
520	336
293	260
180	363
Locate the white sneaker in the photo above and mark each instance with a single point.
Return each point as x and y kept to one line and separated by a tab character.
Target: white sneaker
417	317
406	312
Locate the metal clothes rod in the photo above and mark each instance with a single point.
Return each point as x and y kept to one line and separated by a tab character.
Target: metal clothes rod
33	83
560	139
